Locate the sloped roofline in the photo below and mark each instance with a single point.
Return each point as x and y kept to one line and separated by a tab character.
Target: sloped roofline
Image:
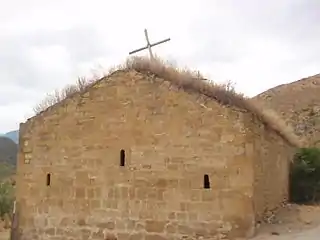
191	81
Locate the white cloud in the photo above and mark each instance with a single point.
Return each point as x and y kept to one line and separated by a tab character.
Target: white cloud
47	44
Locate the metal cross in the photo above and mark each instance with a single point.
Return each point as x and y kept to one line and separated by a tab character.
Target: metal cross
149	45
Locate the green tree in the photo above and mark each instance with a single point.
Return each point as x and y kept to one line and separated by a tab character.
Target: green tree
305	176
6	198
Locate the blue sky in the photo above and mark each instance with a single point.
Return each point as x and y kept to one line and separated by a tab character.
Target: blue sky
48	44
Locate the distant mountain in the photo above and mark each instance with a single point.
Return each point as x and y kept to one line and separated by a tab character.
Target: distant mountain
13	135
8	151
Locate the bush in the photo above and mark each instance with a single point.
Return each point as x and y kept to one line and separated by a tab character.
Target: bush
305	176
6	198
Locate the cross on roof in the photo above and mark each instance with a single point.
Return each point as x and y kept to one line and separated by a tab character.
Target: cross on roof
149	45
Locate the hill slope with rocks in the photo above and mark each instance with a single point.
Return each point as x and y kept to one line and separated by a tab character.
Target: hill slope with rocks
299	103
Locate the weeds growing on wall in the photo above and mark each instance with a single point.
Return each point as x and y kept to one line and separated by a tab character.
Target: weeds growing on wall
6	198
305	176
187	80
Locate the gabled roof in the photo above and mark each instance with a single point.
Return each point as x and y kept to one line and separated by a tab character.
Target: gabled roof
191	81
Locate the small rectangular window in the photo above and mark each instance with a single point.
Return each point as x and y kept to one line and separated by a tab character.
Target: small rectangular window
206	181
48	179
122	158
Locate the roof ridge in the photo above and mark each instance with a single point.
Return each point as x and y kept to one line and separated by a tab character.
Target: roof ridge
188	80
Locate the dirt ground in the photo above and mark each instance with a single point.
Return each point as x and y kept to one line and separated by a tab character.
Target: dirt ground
293	222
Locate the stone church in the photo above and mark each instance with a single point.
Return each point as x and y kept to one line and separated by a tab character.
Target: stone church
134	158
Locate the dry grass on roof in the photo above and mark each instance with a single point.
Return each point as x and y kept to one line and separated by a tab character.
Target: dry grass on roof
188	80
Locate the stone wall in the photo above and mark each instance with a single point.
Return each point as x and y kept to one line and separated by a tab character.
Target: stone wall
271	161
70	184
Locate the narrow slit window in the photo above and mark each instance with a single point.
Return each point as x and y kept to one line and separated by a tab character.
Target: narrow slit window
48	179
206	181
122	158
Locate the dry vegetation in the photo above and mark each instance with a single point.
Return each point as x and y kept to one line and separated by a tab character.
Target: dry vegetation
189	81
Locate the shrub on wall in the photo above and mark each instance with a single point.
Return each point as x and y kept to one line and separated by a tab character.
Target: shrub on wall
305	176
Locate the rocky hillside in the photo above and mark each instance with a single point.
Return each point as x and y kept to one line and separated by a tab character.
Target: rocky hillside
299	103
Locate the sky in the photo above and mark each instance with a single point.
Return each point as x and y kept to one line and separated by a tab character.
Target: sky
45	45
